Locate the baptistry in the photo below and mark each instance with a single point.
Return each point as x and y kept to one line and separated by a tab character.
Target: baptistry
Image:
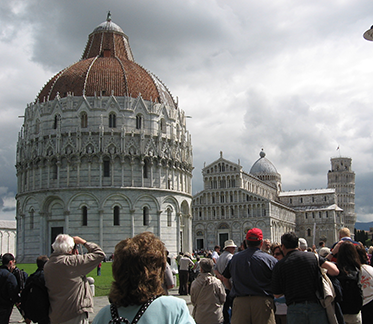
104	154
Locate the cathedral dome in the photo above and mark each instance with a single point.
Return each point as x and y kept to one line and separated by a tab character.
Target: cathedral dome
107	68
263	166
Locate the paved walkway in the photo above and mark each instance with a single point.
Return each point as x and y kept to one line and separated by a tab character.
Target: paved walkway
100	302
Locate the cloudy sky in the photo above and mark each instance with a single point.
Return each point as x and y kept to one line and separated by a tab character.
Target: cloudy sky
294	77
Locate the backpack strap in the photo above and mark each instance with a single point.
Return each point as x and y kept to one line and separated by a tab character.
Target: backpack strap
117	320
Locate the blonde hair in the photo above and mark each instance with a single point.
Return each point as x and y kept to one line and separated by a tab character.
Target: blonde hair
344	232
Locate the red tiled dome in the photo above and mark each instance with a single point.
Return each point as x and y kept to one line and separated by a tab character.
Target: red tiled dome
107	67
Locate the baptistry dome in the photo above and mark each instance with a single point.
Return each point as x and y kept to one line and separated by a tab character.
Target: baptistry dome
107	67
104	153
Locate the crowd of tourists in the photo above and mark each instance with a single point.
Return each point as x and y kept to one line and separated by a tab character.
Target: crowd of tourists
258	282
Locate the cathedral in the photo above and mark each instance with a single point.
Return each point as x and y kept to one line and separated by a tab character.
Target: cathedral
233	201
104	154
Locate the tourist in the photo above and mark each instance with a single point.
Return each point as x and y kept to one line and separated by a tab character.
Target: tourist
221	264
216	253
251	273
185	264
207	295
344	235
138	272
36	310
366	285
65	277
8	287
302	246
297	277
168	282
349	265
266	247
280	303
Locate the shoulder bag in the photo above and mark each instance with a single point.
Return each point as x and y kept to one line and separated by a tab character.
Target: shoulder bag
327	294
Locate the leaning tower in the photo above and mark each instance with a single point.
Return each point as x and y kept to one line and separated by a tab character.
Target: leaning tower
103	153
342	178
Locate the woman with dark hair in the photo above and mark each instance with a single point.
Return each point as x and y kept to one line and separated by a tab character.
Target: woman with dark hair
367	285
138	272
349	266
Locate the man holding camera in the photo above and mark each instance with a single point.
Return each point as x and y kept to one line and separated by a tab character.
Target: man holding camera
65	277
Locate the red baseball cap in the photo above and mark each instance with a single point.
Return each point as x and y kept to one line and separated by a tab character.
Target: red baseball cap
255	234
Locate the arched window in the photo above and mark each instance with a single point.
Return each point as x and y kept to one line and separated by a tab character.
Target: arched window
106	170
37	126
145	216
169	217
308	232
54	170
116	215
56	121
145	167
163	126
84	216
84	120
32	219
139	122
112	120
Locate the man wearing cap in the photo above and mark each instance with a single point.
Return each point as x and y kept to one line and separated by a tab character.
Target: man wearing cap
302	244
221	264
251	273
297	276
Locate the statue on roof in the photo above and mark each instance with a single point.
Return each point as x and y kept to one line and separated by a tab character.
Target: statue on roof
108	18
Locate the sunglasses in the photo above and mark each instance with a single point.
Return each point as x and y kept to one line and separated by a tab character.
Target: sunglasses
277	253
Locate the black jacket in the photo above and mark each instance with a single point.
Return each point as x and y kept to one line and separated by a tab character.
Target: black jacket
8	288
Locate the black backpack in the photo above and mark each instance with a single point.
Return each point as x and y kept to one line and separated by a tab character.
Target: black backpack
352	293
35	299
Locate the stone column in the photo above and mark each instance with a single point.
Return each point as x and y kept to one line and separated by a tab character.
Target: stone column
178	216
100	162
122	164
101	228
151	172
132	179
142	163
132	217
159	213
78	174
89	171
67	220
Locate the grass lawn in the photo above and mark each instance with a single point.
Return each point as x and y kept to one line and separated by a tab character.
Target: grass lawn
102	283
